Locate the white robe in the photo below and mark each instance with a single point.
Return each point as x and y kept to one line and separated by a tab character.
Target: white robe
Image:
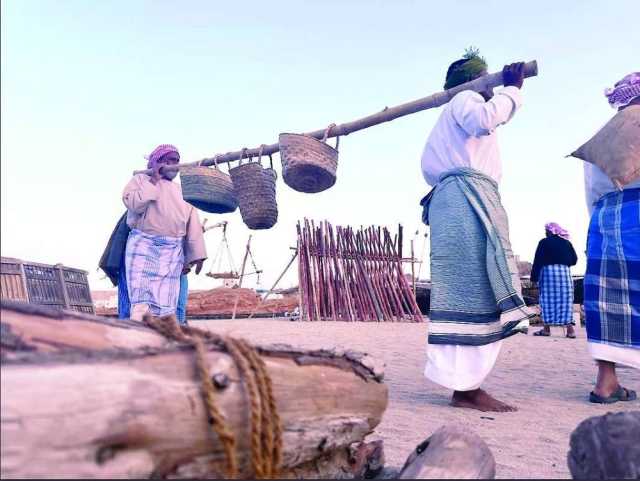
464	136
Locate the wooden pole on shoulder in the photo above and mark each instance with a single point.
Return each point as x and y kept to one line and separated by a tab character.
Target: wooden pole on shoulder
385	115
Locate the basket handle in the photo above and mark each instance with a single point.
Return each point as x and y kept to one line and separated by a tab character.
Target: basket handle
326	135
242	152
262	146
271	161
215	161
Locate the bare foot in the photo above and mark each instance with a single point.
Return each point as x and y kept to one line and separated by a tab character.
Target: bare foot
480	400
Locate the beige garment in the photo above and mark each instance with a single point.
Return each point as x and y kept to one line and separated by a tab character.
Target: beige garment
160	210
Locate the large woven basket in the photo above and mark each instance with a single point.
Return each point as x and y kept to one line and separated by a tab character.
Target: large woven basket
255	189
308	164
210	190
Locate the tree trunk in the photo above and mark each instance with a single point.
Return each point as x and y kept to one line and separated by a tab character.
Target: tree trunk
93	397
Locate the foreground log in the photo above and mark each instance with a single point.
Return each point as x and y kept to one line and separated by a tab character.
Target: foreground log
606	447
452	452
86	396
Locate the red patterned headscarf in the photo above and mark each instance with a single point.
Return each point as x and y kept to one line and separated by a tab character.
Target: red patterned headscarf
624	91
557	230
159	152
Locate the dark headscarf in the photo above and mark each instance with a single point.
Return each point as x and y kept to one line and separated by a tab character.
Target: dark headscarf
468	68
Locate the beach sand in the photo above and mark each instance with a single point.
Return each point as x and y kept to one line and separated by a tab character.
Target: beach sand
547	378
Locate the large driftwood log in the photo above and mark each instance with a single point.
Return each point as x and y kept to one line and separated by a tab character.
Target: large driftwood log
452	452
386	115
93	397
606	447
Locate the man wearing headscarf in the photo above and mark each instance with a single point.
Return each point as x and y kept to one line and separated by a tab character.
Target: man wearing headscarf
166	236
551	268
612	280
476	299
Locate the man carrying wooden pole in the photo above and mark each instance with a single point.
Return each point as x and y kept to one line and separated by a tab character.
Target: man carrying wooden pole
476	298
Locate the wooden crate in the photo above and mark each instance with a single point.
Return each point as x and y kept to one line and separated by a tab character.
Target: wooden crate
44	284
12	281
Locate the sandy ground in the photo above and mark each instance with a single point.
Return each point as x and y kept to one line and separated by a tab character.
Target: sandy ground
547	378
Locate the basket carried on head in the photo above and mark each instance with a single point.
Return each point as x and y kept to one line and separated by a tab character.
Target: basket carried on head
308	164
255	189
210	190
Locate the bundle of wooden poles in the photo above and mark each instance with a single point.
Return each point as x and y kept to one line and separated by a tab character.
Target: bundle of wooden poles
348	275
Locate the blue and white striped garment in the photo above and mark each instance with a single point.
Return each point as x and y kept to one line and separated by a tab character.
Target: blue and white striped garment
475	285
612	280
556	295
153	268
124	306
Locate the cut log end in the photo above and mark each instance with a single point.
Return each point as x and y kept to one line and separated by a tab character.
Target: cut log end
606	447
452	452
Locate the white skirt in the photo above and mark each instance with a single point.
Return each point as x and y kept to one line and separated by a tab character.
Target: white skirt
627	356
461	368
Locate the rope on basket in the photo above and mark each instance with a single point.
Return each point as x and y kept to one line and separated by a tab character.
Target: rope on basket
266	428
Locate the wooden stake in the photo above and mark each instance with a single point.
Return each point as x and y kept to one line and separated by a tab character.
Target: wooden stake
274	285
244	262
413	270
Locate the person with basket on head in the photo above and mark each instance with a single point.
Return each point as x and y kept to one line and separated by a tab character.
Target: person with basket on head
612	279
476	299
166	238
551	269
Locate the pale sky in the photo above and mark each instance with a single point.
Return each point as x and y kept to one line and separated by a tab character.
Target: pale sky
89	88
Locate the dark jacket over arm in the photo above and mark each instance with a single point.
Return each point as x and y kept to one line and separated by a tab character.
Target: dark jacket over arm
111	259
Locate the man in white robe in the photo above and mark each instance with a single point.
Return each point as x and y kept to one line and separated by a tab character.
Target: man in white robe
464	138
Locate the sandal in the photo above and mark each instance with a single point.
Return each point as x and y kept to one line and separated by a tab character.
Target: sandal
621	394
542	332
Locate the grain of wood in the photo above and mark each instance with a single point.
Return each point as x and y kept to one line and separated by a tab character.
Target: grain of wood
86	397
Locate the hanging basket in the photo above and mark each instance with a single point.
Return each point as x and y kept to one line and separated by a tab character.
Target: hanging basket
308	164
210	190
255	189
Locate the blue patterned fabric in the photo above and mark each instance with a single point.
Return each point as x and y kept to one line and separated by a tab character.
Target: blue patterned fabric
124	306
153	269
475	285
181	309
556	295
612	280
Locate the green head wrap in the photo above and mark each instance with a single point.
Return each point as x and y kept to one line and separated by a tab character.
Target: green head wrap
468	68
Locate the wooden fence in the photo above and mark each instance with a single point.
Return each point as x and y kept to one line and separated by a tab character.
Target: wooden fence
43	284
352	275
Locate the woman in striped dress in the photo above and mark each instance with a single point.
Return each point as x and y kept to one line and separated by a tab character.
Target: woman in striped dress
551	269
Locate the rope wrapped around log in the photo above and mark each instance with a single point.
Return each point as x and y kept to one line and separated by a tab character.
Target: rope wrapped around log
266	427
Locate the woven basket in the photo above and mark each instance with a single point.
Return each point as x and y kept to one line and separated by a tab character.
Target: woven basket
210	190
308	164
255	189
